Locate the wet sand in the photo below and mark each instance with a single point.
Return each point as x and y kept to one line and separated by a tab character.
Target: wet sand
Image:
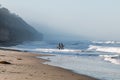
25	66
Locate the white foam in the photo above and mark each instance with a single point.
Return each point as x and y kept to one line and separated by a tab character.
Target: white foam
104	49
111	58
106	42
56	50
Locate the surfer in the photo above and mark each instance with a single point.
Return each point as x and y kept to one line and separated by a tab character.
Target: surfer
60	46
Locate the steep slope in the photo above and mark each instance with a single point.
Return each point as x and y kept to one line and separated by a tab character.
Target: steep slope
14	29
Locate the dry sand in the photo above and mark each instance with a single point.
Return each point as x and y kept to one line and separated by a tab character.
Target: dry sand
25	66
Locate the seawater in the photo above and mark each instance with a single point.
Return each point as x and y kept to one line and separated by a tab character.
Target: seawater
99	59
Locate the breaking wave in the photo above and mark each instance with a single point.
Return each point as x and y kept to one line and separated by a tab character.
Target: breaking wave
57	50
106	42
104	49
115	59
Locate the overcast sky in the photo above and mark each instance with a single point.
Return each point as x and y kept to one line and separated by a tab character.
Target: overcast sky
94	19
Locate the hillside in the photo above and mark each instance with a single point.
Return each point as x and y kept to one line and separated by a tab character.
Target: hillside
14	29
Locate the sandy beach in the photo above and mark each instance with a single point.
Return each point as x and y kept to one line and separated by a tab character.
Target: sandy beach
15	65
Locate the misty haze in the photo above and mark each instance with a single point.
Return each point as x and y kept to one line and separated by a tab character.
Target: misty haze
95	20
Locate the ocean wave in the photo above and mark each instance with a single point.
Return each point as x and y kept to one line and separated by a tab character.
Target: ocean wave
74	52
104	49
57	50
115	59
106	42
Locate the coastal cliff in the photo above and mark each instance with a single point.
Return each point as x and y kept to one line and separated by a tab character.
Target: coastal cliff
14	29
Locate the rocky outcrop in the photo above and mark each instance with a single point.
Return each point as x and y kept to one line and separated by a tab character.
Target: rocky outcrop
14	29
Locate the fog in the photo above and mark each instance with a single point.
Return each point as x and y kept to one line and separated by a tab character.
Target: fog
70	19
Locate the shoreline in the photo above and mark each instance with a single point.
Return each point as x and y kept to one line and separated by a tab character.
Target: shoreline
25	66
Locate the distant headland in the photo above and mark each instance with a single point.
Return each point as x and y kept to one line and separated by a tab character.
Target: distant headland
14	30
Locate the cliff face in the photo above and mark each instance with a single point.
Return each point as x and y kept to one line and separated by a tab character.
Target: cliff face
4	34
14	29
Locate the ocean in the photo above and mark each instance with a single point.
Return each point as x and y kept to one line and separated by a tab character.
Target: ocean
99	59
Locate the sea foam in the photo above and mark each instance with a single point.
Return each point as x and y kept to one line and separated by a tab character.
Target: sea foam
115	59
104	49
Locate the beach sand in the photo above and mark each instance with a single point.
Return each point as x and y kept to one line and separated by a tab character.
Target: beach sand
25	66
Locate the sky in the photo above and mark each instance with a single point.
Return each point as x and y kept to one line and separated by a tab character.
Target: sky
70	19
